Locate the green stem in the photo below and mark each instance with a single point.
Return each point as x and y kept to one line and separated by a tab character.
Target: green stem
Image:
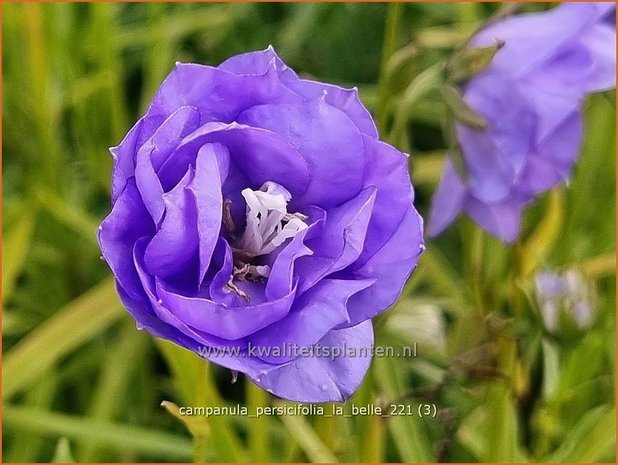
199	449
469	13
258	429
201	397
425	82
476	261
472	238
371	428
391	30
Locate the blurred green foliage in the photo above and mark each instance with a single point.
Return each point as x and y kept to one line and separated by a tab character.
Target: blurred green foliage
80	383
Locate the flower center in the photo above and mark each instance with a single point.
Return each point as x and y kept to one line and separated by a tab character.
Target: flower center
268	222
268	226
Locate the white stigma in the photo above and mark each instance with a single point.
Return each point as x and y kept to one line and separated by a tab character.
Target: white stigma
268	222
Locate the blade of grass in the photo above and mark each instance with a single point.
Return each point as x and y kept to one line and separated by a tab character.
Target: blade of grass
436	269
425	82
592	440
369	428
408	432
116	373
105	28
63	452
25	446
307	439
152	443
159	58
196	425
79	221
13	323
36	353
39	76
538	246
391	31
258	428
191	375
15	247
214	18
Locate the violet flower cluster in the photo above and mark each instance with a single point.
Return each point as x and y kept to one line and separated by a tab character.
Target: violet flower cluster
252	208
531	97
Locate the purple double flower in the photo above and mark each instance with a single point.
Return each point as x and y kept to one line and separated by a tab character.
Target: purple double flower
252	207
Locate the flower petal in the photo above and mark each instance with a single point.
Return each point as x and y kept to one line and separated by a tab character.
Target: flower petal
281	278
495	155
328	141
600	41
257	63
315	312
554	158
501	219
217	94
531	39
447	201
259	154
219	320
340	241
211	167
155	151
175	245
346	100
386	168
128	221
390	266
164	314
324	379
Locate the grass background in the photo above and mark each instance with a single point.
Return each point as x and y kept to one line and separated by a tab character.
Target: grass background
79	382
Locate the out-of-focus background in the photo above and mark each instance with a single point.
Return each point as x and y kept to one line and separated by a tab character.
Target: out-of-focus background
80	383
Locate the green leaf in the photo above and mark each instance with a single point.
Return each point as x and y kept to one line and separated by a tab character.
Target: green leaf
491	431
472	61
15	247
63	452
455	151
14	323
391	32
425	82
25	446
591	197
428	168
194	381
308	440
121	437
409	434
196	425
540	243
38	352
441	37
258	428
462	113
593	439
114	380
80	222
440	274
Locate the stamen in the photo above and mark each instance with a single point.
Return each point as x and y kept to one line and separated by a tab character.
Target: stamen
228	221
231	287
289	216
254	273
268	222
268	226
